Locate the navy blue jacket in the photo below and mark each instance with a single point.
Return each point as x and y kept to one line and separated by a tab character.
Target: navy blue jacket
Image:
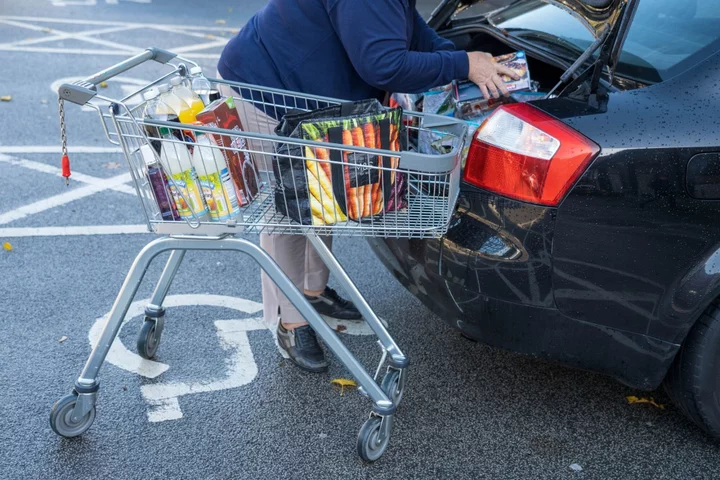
348	49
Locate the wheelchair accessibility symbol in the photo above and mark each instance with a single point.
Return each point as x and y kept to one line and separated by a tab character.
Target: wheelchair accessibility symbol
163	398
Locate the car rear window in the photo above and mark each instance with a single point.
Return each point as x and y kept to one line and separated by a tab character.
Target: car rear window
665	38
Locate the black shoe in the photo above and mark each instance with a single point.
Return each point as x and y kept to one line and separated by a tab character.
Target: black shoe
330	304
302	346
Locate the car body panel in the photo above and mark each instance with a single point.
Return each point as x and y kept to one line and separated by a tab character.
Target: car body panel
611	280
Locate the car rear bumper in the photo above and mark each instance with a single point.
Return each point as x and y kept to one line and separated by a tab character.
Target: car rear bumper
491	278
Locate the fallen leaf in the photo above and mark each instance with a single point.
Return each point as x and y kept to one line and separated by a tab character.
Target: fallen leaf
220	22
6	98
7	246
575	467
210	36
342	383
62	339
111	165
103	84
340	328
47	30
633	399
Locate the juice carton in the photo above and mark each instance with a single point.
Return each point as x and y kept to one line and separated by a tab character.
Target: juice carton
222	114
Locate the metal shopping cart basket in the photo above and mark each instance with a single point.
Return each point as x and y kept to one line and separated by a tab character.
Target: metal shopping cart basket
432	182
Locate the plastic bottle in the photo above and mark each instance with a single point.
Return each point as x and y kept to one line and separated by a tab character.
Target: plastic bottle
214	175
156	109
202	87
177	104
184	185
189	97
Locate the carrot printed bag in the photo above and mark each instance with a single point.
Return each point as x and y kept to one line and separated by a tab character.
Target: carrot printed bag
324	186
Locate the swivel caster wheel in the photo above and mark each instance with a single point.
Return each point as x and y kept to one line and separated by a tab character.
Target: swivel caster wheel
149	338
61	420
393	385
373	438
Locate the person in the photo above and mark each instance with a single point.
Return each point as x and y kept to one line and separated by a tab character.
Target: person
347	49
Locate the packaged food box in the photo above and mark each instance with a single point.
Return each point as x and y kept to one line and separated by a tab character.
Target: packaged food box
516	62
440	101
222	114
469	101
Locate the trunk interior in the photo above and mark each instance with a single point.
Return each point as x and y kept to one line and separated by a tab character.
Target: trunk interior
540	71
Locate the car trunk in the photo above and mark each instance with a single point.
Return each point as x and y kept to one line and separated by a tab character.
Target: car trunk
545	70
604	19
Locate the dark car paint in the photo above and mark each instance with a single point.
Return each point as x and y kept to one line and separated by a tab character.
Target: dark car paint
613	279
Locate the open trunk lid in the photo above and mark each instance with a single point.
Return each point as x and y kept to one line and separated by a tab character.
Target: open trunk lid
607	20
597	15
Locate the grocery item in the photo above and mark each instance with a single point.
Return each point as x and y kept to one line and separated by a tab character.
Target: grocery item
469	101
517	62
222	114
177	104
324	186
440	101
189	97
202	87
160	185
214	177
156	109
184	185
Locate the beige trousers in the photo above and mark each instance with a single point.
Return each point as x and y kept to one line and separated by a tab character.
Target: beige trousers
293	253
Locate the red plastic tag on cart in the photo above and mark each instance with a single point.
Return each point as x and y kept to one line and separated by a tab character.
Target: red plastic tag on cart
66	168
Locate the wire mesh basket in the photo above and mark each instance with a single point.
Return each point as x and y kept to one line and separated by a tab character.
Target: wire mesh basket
234	184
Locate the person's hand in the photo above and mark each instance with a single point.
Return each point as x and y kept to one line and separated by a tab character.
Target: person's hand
485	73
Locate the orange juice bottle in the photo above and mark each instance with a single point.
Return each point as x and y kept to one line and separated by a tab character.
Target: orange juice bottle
190	98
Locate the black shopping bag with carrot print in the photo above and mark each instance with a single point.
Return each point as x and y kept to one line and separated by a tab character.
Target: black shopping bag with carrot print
324	186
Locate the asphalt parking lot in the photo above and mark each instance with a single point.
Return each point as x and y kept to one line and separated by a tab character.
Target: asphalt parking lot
219	401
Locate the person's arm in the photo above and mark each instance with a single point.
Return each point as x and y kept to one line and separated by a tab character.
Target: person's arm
374	35
425	39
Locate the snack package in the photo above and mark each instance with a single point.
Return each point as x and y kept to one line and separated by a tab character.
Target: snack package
440	101
517	62
409	102
222	114
324	186
469	101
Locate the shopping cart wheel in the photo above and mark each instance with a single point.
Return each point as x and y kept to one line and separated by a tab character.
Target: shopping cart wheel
149	338
371	442
61	417
393	385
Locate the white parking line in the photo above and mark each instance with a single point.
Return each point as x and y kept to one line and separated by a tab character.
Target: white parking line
62	199
55	149
80	177
110	23
72	231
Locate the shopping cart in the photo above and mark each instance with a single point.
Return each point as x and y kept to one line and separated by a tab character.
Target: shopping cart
431	193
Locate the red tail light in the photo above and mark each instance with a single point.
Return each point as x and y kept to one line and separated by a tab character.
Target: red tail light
523	153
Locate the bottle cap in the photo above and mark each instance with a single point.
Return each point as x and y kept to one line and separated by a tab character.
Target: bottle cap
150	94
175	81
164	88
195	71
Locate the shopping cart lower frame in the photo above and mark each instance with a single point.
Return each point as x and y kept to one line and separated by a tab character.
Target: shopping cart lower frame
73	414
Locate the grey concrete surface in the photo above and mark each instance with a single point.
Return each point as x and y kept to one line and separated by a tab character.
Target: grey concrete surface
469	411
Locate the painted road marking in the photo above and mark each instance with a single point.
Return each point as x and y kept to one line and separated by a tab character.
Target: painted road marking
162	398
115	48
20	232
180	28
62	199
80	177
56	149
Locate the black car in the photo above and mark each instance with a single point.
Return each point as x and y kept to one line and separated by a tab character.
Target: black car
587	230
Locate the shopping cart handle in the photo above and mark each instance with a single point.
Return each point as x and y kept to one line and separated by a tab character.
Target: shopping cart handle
83	91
